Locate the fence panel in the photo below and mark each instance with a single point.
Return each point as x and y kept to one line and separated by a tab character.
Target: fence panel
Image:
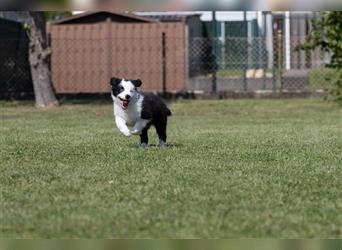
242	65
85	57
79	59
81	63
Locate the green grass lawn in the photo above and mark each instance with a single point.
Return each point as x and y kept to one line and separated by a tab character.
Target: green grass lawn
236	168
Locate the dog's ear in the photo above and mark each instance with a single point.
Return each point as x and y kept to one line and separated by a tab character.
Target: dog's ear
115	81
137	83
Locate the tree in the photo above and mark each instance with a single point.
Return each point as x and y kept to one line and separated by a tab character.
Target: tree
39	54
327	34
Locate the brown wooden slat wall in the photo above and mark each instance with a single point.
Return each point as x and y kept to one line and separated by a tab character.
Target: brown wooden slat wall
85	56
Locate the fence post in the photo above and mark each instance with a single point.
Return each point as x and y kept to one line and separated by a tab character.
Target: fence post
274	62
109	47
245	67
164	63
214	86
280	59
263	50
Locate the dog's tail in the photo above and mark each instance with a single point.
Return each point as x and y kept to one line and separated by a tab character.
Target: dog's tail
168	113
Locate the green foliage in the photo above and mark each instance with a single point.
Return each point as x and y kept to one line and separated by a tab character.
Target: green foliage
235	168
53	15
327	34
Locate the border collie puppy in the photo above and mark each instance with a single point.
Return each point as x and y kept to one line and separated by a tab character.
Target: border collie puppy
135	112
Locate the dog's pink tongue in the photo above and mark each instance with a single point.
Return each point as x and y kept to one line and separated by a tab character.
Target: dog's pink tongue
125	104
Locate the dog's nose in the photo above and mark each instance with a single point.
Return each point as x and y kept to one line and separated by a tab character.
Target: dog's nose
128	97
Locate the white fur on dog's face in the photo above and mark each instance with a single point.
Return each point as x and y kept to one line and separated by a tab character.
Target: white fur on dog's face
127	93
129	89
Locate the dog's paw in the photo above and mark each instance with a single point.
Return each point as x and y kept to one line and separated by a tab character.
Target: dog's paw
127	133
162	144
143	145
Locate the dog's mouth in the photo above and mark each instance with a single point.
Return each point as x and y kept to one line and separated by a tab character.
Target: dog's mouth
123	103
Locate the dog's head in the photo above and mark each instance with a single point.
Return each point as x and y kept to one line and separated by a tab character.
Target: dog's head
125	90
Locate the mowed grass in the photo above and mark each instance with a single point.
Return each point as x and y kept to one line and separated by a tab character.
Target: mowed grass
234	168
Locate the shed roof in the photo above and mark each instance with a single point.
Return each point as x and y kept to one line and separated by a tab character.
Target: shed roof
168	16
97	16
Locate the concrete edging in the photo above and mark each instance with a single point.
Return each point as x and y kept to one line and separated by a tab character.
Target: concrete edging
258	94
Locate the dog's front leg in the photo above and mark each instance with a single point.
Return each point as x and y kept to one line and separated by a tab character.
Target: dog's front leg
138	127
121	124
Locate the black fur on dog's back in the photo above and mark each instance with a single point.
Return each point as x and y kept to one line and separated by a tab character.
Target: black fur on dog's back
153	108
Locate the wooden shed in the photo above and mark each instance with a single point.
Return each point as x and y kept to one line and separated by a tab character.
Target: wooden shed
89	48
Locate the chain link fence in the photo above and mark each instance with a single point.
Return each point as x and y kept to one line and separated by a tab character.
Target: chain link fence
86	65
15	75
198	64
249	64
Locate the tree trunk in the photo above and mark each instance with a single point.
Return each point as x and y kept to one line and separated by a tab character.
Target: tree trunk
39	61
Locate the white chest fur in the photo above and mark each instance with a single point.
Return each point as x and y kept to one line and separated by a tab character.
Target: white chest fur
130	115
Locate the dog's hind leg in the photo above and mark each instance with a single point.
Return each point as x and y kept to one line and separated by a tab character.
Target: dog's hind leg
143	138
161	131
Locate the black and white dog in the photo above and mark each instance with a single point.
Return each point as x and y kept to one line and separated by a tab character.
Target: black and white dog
135	112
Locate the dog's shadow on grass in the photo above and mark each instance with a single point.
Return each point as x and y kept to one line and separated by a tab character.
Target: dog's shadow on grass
152	145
